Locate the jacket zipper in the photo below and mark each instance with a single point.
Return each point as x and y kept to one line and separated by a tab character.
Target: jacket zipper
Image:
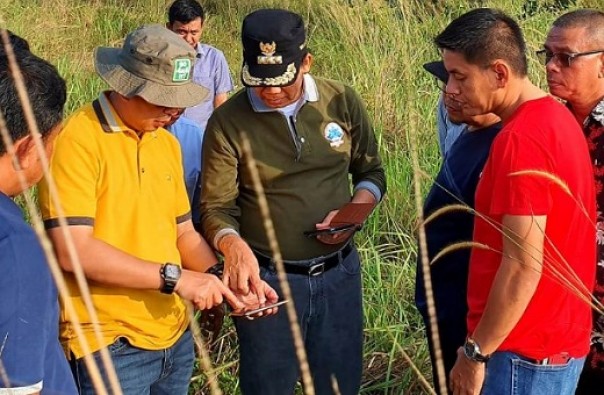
291	123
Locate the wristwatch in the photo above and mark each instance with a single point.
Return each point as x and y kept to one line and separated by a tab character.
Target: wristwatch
217	270
472	350
170	273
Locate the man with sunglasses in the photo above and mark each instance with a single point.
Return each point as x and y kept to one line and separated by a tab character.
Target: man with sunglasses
307	135
573	56
455	184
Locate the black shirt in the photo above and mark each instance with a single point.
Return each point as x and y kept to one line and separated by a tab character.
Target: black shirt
455	184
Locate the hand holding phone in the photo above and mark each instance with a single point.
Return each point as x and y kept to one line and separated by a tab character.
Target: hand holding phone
342	223
332	230
251	314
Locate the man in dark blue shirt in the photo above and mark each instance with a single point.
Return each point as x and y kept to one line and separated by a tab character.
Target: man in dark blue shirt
30	352
455	184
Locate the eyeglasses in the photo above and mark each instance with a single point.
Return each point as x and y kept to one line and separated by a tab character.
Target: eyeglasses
172	111
565	59
441	85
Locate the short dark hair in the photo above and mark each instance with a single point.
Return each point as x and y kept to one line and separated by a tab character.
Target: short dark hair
46	90
591	20
484	35
18	43
184	11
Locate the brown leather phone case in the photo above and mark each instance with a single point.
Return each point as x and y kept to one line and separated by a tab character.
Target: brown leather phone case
352	213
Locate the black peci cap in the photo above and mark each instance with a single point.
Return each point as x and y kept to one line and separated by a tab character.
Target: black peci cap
274	45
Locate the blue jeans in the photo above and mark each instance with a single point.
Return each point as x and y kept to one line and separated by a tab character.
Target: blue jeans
512	374
143	372
329	310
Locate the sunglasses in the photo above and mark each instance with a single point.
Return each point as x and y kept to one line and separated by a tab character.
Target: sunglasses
563	58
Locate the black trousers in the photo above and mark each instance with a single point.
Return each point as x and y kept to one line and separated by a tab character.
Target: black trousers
453	332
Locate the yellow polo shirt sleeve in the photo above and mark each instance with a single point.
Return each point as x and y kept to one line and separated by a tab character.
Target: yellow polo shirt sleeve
76	185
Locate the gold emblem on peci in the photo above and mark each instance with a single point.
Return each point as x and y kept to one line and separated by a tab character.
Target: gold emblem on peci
268	50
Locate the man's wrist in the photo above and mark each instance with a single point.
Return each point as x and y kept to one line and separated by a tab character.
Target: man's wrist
226	240
170	274
472	351
222	234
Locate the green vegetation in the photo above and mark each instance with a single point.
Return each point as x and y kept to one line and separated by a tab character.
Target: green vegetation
377	46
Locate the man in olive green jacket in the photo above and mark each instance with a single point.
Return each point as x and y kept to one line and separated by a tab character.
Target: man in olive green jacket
307	135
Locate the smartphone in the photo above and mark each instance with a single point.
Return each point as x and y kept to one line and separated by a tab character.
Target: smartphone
331	230
250	313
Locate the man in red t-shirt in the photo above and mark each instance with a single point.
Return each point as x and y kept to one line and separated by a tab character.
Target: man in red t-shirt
530	279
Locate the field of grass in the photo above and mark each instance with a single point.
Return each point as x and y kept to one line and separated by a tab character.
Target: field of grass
378	47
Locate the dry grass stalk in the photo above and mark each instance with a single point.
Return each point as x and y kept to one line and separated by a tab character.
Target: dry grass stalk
543	174
557	181
205	361
39	228
4	377
334	385
3	374
566	276
578	288
421	377
561	278
458	246
441	379
309	388
558	269
581	289
561	271
446	209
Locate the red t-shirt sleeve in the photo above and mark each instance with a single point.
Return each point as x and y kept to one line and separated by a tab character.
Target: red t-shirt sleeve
520	168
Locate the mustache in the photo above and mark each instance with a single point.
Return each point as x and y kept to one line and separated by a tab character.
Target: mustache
454	104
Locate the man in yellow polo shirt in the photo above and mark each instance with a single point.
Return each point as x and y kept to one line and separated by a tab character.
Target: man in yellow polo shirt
120	183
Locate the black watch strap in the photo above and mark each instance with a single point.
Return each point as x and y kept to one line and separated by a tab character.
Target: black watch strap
217	270
170	274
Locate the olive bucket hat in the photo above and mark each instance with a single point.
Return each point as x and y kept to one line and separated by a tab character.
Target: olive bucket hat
155	64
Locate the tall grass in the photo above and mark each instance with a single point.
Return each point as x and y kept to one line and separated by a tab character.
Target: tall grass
378	47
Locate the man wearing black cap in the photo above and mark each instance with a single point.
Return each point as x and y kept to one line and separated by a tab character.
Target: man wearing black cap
449	129
455	184
307	135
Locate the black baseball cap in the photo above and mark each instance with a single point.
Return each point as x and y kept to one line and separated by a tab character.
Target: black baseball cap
274	45
438	70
